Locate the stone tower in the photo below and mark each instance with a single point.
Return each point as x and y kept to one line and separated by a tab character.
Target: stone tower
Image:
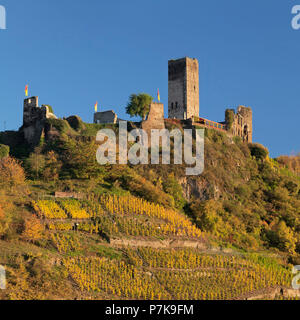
183	88
242	123
34	120
155	118
31	111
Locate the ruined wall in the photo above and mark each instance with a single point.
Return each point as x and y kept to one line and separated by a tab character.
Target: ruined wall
242	124
155	118
72	195
34	120
105	117
183	88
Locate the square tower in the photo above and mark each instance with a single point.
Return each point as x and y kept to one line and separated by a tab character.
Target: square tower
183	88
31	105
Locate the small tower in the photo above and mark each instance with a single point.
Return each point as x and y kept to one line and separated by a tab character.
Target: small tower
34	118
242	123
183	88
31	105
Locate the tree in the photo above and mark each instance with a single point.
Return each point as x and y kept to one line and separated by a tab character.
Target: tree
206	215
139	105
282	237
79	160
33	229
36	163
11	172
3	222
52	166
229	118
173	188
258	151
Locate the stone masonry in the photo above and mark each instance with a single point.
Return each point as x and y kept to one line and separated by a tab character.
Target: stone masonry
34	120
183	88
105	117
155	118
242	124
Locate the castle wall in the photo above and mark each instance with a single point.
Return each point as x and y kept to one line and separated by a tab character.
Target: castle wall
183	88
242	125
105	117
192	88
177	89
155	119
34	120
30	111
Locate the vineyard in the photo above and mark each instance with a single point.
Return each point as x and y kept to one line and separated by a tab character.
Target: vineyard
174	274
116	216
144	272
49	209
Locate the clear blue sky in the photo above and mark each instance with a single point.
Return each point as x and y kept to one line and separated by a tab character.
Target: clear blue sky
72	53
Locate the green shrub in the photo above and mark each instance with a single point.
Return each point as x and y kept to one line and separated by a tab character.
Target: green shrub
76	123
173	188
4	151
229	118
237	140
282	237
258	151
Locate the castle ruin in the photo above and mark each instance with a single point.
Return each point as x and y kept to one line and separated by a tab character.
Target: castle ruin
183	105
105	117
155	118
183	84
183	101
242	123
34	120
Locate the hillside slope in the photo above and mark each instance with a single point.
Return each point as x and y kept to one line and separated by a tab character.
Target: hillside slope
146	232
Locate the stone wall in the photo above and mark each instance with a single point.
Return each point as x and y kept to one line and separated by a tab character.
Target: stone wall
105	117
183	88
72	195
34	120
192	88
242	124
155	118
177	89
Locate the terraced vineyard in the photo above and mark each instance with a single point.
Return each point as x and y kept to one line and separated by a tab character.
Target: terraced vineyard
145	272
116	216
